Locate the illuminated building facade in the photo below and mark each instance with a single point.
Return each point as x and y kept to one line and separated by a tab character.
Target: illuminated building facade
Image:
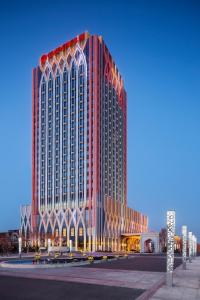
79	167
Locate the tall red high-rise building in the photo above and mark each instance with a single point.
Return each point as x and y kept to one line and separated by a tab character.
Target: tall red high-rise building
79	172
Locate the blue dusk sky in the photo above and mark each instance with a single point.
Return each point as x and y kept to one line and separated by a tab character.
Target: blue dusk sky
156	46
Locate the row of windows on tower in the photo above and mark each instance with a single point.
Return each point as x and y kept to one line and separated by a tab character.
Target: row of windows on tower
72	110
112	145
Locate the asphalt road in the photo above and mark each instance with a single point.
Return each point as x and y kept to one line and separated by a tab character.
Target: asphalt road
12	288
137	263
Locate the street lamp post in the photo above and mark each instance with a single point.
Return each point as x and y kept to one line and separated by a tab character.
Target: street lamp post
20	246
70	246
193	256
170	246
190	245
194	246
49	245
184	246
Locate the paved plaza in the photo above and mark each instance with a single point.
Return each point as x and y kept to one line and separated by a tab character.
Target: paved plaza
138	277
110	275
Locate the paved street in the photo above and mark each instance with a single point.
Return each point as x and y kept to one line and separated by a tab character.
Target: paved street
27	289
138	263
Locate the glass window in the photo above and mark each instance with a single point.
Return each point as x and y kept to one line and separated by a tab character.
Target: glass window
64	232
72	231
80	231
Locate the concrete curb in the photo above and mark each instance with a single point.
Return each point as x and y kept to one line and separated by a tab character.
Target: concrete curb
150	292
10	265
5	265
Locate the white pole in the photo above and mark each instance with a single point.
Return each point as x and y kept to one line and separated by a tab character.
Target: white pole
70	245
184	246
170	246
49	246
190	245
195	246
20	246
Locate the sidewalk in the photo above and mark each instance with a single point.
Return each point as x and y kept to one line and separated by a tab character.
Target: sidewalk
186	284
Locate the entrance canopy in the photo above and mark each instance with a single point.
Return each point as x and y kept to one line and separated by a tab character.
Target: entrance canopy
141	242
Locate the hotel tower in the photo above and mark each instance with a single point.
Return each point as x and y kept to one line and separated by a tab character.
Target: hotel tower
79	154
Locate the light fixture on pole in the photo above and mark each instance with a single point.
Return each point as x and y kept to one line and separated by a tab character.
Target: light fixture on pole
184	246
194	246
170	246
70	246
49	246
190	245
193	256
20	246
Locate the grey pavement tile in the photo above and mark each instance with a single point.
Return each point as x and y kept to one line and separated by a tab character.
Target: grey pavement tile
169	293
187	284
189	296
